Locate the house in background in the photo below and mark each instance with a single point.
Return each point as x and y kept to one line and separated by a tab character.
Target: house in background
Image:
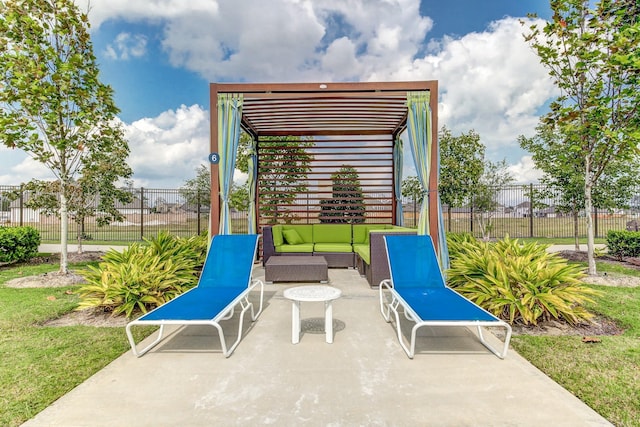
134	207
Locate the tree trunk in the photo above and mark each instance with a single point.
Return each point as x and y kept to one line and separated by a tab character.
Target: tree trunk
588	206
80	227
64	228
576	223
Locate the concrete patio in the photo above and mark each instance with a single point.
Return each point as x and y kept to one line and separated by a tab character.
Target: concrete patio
363	378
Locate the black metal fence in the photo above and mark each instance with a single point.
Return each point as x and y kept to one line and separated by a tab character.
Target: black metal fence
526	211
152	210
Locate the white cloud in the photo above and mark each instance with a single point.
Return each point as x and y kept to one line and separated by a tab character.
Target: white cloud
279	40
489	81
23	170
166	150
524	171
127	45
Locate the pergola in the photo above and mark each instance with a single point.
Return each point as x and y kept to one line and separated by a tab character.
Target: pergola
342	112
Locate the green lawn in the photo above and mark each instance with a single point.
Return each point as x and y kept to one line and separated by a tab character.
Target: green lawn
604	375
40	364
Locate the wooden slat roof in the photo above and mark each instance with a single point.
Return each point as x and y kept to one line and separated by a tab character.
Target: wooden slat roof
323	108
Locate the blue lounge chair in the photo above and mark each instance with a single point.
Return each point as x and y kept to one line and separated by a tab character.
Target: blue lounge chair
225	283
417	285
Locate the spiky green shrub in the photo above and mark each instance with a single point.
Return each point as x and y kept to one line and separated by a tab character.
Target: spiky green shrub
520	283
455	241
143	277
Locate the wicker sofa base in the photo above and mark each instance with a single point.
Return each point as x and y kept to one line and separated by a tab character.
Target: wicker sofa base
294	268
338	259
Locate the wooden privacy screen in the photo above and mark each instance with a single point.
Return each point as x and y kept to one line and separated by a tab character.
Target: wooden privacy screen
306	180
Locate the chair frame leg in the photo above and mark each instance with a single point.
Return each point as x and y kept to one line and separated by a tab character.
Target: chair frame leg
227	314
387	306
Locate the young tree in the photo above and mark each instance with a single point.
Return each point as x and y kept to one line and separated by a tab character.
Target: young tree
239	197
197	191
411	187
461	166
593	58
346	204
53	105
564	178
284	164
495	177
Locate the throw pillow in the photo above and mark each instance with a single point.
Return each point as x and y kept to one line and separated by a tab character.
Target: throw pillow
292	237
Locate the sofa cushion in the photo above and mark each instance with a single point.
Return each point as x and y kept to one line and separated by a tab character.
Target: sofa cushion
332	247
292	237
375	227
276	231
305	231
362	249
359	232
303	248
332	233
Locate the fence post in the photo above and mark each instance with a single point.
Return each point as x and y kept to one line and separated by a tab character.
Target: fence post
595	221
21	205
141	213
198	210
530	210
471	216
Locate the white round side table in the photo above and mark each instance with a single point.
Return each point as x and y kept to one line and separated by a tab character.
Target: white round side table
312	293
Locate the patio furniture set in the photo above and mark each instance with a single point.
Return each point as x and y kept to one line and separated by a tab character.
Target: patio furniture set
358	246
415	288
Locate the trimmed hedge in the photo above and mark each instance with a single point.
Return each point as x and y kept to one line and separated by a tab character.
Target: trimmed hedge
623	243
18	243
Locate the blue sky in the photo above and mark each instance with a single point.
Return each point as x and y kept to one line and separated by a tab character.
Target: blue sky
160	56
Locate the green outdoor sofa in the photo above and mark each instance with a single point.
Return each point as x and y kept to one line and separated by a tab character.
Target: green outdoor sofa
358	246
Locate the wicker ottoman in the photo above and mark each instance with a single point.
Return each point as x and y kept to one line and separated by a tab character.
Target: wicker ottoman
296	269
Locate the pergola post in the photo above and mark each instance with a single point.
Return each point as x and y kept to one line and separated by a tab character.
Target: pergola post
434	212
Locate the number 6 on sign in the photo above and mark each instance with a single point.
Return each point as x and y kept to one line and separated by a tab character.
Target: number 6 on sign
214	158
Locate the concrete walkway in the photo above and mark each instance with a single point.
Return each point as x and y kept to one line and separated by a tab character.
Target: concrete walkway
363	378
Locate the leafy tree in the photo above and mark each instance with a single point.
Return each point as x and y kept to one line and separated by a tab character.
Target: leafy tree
564	178
412	188
347	201
494	177
240	197
593	58
5	203
284	164
461	165
197	191
53	105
